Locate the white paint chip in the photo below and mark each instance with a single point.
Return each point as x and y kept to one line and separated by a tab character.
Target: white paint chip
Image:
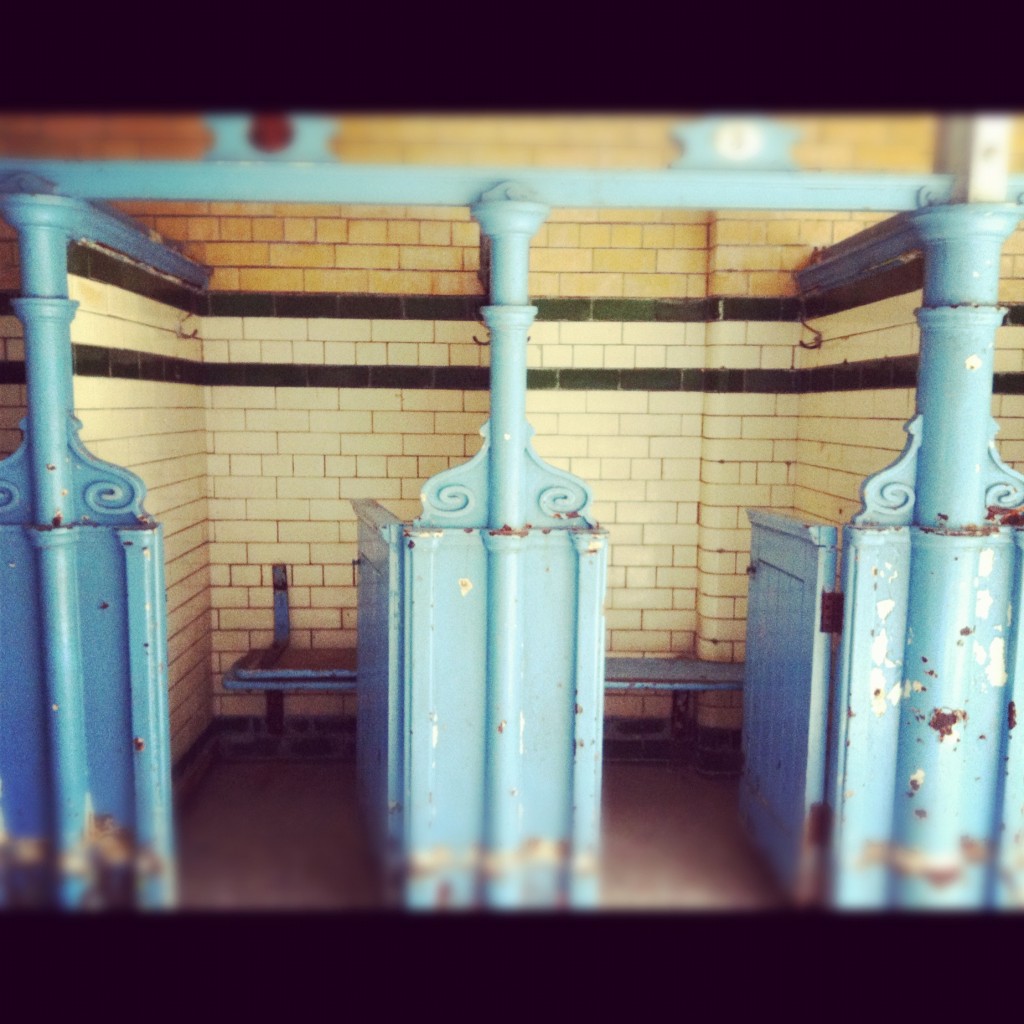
985	562
982	604
972	362
996	670
465	586
884	608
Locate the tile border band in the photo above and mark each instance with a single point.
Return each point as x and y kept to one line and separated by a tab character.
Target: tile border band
97	265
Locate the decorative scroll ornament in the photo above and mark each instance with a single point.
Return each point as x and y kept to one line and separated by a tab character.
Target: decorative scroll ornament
1004	487
15	484
887	498
457	497
105	493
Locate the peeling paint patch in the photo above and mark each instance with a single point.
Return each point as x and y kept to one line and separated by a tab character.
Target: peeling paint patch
465	586
996	670
982	604
985	562
980	654
972	362
884	608
917	779
894	695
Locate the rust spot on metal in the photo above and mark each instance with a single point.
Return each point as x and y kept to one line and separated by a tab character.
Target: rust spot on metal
51	467
942	517
1006	516
982	736
943	721
921	813
104	606
412	543
1011	714
976	851
139	743
501	725
507	531
970	530
579	709
850	713
128	543
58	518
966	631
931	672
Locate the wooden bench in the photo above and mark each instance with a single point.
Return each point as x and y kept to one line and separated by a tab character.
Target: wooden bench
281	669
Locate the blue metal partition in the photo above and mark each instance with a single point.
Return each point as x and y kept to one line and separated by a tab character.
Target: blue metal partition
481	650
425	711
85	788
785	695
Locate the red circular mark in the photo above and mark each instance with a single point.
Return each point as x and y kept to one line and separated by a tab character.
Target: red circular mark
271	133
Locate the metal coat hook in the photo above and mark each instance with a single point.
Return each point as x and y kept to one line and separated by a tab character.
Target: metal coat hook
818	339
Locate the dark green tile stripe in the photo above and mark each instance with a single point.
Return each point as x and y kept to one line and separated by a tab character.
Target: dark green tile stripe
98	266
898	372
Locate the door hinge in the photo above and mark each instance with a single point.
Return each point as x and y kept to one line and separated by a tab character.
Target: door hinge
831	611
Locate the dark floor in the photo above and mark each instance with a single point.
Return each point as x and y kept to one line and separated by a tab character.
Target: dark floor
259	835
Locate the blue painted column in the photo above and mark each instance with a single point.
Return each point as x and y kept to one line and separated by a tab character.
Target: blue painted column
510	220
952	703
46	313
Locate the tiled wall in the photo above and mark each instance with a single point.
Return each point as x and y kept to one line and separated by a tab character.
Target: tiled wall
158	430
244	476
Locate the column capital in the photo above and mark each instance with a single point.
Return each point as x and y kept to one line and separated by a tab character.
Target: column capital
40	211
962	221
962	245
509	209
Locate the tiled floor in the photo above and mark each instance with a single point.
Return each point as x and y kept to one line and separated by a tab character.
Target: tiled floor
262	835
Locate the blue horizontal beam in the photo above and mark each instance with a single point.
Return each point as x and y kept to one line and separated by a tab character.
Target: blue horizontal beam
83	221
411	185
868	252
883	246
